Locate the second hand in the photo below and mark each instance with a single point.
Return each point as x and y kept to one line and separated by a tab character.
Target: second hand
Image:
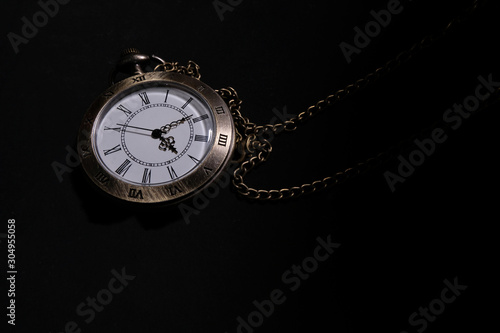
146	129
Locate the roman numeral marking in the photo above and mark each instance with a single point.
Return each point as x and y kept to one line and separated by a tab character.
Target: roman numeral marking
133	193
200	118
116	129
187	103
122	169
219	110
139	79
174	190
112	150
166	96
208	171
201	138
223	140
124	109
144	97
85	150
171	172
101	178
146	176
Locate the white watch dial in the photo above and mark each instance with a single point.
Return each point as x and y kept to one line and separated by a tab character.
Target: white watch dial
154	135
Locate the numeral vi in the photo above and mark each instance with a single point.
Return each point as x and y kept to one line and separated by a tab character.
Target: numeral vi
136	194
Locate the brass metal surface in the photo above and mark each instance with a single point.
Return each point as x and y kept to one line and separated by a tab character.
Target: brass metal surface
173	192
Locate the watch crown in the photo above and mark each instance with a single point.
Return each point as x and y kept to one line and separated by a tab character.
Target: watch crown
128	51
131	62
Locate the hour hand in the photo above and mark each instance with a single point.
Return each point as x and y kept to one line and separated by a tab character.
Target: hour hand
168	144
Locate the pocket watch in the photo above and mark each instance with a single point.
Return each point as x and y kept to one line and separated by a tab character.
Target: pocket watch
155	136
162	136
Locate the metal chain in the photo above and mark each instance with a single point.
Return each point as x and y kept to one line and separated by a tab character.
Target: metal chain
391	65
255	148
192	69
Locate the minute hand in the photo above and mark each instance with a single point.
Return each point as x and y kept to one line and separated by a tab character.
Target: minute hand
165	129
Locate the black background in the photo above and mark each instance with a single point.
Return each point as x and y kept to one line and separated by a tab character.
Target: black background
396	248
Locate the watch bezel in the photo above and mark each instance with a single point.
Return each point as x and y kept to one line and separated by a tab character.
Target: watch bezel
195	181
